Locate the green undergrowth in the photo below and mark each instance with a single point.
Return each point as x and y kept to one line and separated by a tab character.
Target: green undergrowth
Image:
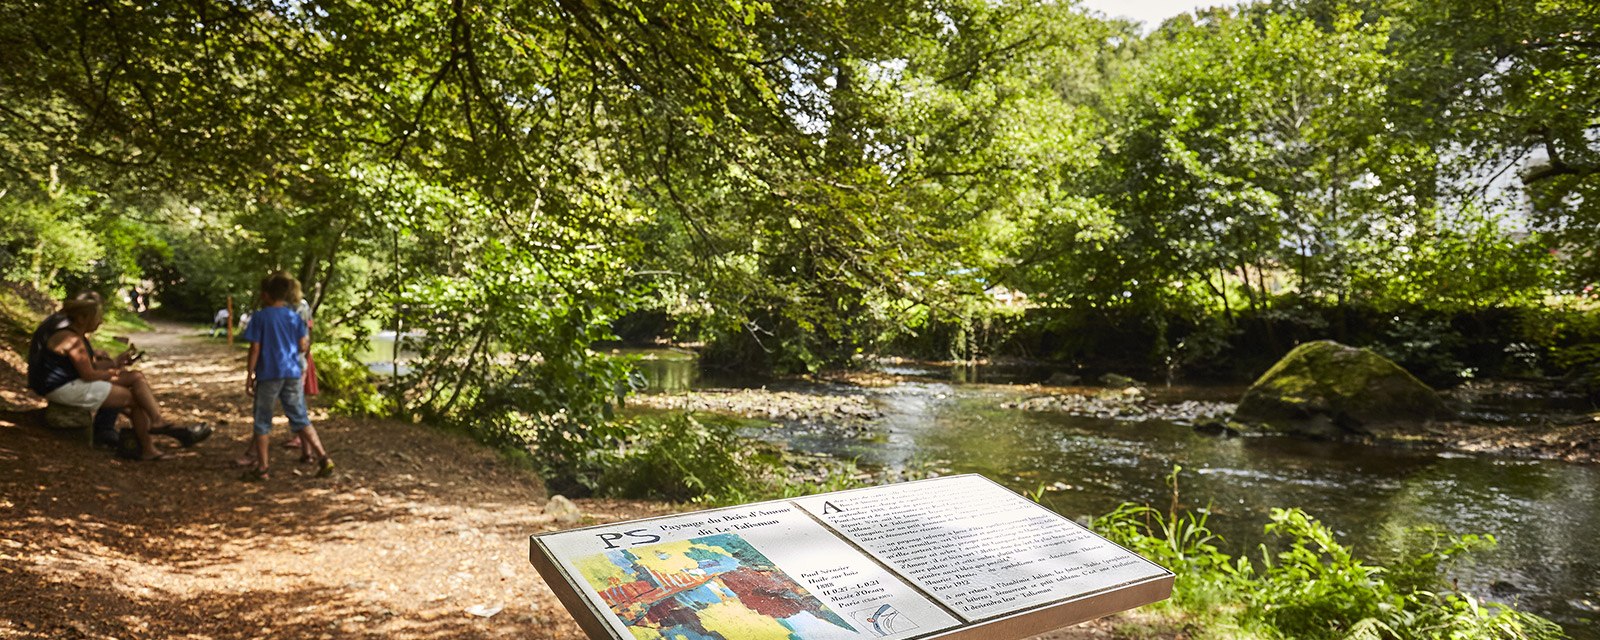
118	323
121	323
15	313
344	383
18	319
1315	588
704	459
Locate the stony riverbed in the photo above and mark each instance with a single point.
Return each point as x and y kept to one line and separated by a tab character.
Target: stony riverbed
777	406
1130	404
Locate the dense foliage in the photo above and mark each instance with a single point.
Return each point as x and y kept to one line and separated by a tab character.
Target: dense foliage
798	183
795	183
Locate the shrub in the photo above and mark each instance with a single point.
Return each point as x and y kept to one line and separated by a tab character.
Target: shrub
1426	347
1574	339
1316	587
345	384
704	459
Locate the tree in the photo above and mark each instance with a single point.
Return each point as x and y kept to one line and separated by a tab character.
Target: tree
1514	89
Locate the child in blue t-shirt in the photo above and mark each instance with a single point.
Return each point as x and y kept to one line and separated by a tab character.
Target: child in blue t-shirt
277	339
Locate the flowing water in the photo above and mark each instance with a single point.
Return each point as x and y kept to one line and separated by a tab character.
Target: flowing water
384	356
1545	515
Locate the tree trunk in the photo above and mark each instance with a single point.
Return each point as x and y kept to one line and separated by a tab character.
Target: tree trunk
1266	301
1266	294
1220	291
317	287
308	271
1341	328
394	358
1249	291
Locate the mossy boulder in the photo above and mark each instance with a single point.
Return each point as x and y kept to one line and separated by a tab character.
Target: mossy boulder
1329	390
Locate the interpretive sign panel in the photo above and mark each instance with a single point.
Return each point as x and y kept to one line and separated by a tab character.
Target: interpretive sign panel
956	557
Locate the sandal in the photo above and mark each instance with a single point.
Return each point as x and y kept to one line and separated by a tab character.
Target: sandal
187	436
159	456
255	475
326	470
244	461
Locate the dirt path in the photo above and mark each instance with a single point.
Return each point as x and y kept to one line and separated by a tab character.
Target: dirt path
415	527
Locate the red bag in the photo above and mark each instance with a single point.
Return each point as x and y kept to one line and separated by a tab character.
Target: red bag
310	377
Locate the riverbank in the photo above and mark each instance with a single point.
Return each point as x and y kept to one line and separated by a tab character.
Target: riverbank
1577	443
1524	419
1534	419
1084	463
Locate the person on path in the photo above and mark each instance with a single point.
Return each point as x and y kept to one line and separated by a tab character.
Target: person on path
277	338
105	419
219	322
65	368
309	378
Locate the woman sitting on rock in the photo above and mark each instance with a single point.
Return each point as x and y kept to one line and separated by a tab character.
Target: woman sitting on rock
64	367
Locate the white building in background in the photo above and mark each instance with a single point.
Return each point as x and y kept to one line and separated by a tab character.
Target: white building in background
1505	193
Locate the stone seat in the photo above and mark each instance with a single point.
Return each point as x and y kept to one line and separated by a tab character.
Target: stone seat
66	417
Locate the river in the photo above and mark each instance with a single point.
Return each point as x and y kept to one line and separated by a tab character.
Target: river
1545	515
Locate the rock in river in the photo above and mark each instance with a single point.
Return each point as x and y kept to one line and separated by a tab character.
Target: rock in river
1329	390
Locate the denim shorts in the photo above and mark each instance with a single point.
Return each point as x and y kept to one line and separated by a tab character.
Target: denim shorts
291	393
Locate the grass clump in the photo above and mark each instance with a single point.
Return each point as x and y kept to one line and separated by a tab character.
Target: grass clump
119	322
704	459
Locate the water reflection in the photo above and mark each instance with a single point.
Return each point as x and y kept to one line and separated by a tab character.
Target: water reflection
665	370
384	355
1545	515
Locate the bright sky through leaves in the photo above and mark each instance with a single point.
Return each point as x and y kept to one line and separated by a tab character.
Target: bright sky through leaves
1150	12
